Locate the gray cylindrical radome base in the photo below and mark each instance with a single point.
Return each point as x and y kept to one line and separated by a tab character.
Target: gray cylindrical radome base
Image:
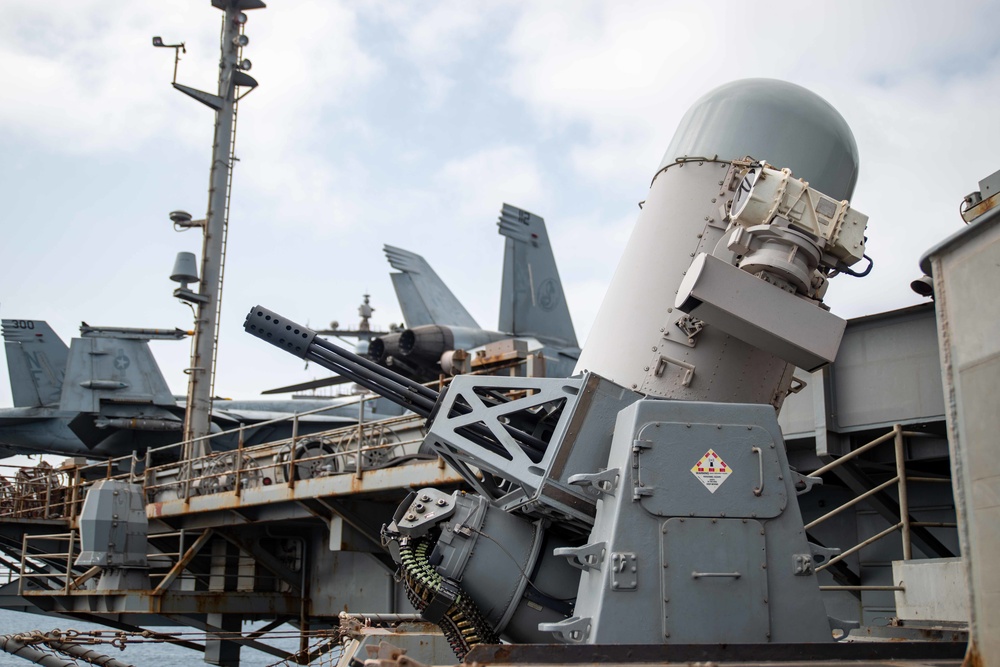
639	340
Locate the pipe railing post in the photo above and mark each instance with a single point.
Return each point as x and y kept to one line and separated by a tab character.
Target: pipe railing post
361	436
239	464
69	561
292	454
24	560
904	503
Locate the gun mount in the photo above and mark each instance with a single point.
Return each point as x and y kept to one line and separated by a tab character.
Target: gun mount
656	488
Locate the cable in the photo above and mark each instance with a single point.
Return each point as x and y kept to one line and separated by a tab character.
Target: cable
523	573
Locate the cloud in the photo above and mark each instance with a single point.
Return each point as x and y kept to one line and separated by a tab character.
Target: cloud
480	182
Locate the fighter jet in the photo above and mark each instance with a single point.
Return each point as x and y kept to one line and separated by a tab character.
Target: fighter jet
104	396
441	336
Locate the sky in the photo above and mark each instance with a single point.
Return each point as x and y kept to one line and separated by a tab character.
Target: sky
409	123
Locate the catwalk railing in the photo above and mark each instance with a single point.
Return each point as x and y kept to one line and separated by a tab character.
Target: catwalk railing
900	481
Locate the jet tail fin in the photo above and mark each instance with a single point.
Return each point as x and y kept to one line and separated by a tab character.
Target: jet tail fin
423	296
532	302
36	362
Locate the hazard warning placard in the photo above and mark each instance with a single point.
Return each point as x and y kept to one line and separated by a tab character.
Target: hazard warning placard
711	470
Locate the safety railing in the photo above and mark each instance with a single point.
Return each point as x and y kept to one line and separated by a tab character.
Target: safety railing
49	563
39	492
900	480
45	492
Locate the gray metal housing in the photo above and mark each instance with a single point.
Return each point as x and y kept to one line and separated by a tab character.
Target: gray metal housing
696	557
966	272
769	119
638	339
113	526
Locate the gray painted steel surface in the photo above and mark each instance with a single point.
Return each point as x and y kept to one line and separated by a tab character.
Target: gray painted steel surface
637	324
768	119
638	339
887	372
740	304
966	272
719	557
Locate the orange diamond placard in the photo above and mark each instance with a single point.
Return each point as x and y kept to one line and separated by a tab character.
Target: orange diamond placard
711	470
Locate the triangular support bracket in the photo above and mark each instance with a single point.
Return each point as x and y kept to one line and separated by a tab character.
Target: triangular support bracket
207	99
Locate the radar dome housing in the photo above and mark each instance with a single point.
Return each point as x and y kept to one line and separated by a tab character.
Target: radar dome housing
776	121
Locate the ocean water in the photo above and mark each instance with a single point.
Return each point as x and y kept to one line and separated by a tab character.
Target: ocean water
145	654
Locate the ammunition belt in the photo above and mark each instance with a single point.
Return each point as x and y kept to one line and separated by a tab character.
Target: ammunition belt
442	601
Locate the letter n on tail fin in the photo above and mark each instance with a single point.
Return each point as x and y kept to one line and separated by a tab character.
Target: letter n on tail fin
532	302
36	362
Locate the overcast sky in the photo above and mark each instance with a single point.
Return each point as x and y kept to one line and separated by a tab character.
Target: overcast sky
409	123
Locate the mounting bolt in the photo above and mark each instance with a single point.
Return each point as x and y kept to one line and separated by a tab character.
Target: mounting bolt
441	502
425	498
411	517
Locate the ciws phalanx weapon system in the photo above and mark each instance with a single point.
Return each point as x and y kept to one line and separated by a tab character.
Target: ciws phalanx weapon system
653	485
